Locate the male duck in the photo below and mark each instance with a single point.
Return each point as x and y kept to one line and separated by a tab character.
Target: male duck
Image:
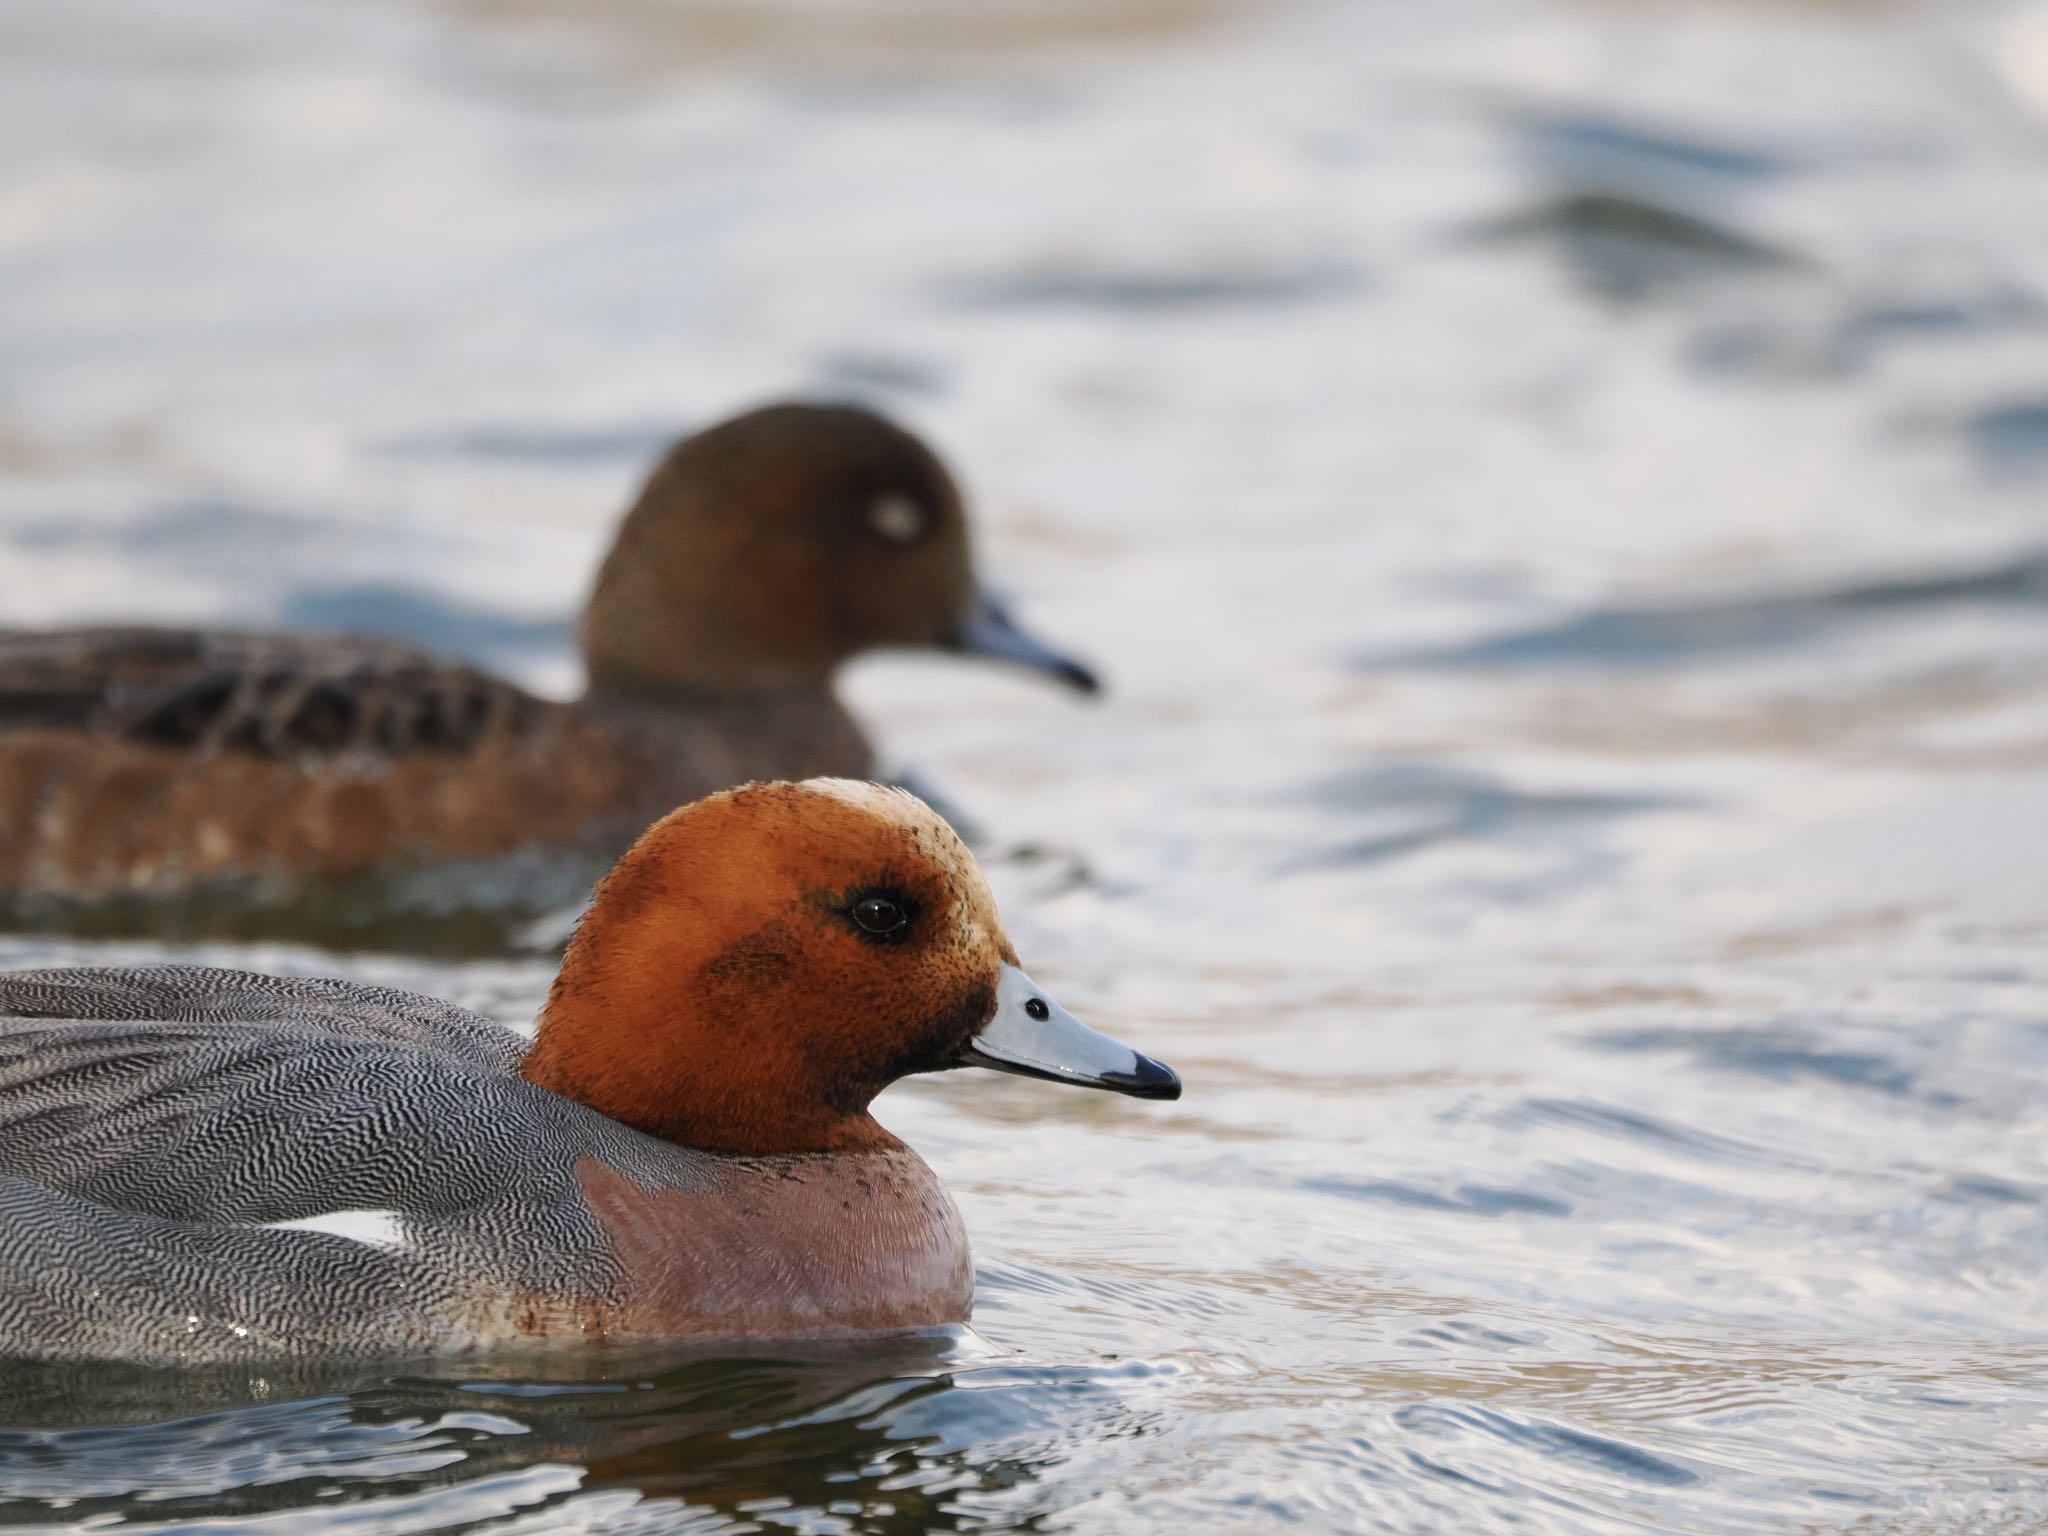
201	1165
263	773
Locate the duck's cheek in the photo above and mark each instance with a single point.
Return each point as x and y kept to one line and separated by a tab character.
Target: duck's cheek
957	1013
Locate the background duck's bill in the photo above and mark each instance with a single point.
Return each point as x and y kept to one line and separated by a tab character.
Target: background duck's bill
1034	1036
990	631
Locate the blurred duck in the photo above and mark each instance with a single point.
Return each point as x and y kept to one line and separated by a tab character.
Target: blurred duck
314	774
204	1165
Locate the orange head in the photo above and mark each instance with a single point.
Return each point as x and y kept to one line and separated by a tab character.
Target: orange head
764	962
766	550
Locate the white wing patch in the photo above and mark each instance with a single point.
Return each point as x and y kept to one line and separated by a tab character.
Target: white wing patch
374	1229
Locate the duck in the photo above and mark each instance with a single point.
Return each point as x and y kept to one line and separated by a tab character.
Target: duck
197	783
201	1165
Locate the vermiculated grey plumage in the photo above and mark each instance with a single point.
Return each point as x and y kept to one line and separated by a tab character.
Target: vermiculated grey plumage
154	1122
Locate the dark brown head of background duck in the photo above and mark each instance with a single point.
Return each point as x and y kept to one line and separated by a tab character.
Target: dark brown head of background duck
767	551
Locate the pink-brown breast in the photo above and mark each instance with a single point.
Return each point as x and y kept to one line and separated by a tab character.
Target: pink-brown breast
863	1242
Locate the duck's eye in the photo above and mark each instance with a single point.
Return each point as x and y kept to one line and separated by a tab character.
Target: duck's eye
880	917
897	518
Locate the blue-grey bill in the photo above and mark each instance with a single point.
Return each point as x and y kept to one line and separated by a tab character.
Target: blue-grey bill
990	631
1034	1036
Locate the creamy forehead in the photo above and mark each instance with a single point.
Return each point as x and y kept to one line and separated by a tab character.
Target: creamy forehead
881	799
903	809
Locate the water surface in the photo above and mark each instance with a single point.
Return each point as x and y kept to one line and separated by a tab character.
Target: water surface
1558	492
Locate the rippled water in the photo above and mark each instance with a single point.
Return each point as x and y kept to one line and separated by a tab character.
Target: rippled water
1559	493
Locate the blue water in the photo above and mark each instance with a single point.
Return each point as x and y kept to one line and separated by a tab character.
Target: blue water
1557	493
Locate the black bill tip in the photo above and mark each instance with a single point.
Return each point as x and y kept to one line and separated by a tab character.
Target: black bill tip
1148	1080
1080	678
990	631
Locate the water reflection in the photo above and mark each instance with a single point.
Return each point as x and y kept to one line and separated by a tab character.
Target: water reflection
473	632
1425	805
1630	250
891	1437
1592	148
2012	436
1676	632
1078	285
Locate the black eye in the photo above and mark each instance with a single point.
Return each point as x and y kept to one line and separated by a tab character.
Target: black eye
1035	1006
880	917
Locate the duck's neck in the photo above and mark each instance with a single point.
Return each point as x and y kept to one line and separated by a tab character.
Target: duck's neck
607	1041
716	686
791	730
697	1111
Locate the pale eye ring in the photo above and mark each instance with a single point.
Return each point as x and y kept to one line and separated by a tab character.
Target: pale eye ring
895	517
